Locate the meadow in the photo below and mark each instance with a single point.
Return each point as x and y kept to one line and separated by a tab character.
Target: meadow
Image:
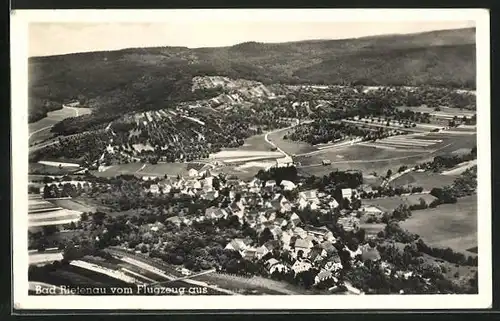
448	225
40	130
142	169
372	159
74	205
288	146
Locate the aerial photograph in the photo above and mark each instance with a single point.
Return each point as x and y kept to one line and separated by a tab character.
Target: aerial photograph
228	158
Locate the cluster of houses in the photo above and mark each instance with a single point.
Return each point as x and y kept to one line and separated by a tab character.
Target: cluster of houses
309	246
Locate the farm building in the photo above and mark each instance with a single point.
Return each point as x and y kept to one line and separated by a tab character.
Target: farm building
372	210
347	193
284	162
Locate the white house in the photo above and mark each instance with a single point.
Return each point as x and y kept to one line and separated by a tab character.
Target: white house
238	245
284	162
237	208
349	223
270	183
285	239
372	210
295	219
288	185
192	172
261	251
333	203
308	198
347	193
303	245
154	188
193	183
301	266
324	275
334	265
280	267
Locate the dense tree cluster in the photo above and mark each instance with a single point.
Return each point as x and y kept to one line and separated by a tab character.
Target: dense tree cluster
442	162
324	131
446	254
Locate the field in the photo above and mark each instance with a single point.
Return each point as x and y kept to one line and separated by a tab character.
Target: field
372	159
232	156
37	168
390	203
74	205
40	130
288	146
140	169
448	225
37	257
254	143
244	172
427	180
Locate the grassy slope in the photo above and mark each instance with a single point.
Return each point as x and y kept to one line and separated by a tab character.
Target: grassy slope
448	225
150	78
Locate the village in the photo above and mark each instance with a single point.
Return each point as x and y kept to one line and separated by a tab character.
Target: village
291	224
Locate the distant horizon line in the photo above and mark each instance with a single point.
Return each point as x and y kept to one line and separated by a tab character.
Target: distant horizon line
258	42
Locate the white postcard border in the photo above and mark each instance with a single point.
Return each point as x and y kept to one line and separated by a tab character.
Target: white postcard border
19	53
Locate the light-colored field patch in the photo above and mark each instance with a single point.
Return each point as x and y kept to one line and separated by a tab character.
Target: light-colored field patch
390	203
448	225
99	269
460	168
122	169
37	257
63	213
238	154
161	169
249	159
141	147
59	164
256	164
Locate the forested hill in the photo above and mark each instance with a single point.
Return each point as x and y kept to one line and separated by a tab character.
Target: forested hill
151	78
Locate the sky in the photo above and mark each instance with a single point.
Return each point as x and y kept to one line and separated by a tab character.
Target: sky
47	39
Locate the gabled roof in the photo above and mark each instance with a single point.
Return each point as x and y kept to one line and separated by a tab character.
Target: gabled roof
295	217
328	247
324	274
346	192
272	244
314	253
311	194
271	262
303	243
271	182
